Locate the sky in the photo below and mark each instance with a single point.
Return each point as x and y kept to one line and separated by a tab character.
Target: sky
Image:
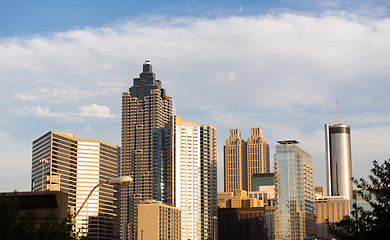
280	65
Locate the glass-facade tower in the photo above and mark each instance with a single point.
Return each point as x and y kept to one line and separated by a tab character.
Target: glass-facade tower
294	180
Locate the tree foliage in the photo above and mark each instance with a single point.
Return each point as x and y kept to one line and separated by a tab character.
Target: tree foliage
369	224
13	226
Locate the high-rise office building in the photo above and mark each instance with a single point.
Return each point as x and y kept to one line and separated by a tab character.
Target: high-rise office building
145	108
338	160
61	162
186	154
294	179
243	159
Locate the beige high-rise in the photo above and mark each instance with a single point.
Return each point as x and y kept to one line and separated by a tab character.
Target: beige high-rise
332	209
158	221
145	108
242	159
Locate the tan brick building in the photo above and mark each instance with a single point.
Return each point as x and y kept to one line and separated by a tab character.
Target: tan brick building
158	221
333	209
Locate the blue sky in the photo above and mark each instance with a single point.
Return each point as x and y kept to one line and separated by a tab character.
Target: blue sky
23	17
280	65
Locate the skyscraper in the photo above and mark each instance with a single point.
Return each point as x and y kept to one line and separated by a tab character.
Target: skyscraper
234	155
243	159
294	179
60	162
186	154
145	108
338	160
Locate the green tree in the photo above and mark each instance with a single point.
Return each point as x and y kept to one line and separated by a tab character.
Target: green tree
365	224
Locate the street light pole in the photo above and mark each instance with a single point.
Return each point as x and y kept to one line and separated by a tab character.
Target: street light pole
215	227
43	161
122	181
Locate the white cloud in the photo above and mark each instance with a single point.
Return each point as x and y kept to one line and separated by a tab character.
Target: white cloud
35	111
95	110
225	77
89	111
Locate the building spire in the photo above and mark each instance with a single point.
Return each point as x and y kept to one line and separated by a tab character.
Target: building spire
338	112
147	67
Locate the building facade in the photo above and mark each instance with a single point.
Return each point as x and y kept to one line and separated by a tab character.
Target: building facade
243	159
61	162
294	179
145	108
158	221
338	160
330	209
187	154
42	206
249	223
240	199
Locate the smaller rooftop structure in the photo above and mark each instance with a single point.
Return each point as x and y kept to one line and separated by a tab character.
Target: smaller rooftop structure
287	142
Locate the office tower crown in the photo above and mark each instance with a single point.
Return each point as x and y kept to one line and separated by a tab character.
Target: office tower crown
235	133
146	82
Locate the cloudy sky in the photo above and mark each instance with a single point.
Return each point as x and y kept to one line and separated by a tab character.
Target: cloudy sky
280	65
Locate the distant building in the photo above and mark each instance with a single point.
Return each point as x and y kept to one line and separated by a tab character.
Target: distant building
319	191
222	197
338	160
360	201
158	221
264	193
241	200
263	187
294	175
61	162
42	206
262	179
331	209
242	159
249	223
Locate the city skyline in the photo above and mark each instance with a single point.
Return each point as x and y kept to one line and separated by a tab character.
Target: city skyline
301	57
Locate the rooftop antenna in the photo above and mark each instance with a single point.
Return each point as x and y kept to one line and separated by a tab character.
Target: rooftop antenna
338	112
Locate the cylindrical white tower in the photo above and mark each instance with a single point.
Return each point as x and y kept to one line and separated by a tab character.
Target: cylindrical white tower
338	160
